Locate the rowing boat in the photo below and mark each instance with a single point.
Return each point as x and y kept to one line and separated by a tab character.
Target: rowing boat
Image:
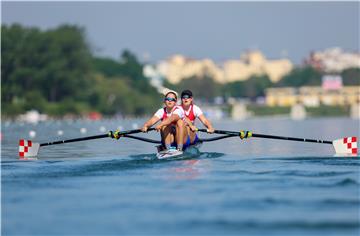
343	147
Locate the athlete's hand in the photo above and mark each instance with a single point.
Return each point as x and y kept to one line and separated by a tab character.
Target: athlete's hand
158	127
210	130
144	129
193	128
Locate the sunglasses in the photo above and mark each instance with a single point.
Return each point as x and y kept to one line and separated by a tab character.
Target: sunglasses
170	99
185	97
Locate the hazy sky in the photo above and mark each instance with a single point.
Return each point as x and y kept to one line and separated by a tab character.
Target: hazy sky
199	30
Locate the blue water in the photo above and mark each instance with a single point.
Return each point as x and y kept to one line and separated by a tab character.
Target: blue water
249	187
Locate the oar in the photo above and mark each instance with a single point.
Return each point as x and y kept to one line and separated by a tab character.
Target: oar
27	148
346	145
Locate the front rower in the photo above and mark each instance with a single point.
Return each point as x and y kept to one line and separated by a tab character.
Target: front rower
172	127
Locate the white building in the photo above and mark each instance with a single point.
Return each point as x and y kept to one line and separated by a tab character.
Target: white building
334	60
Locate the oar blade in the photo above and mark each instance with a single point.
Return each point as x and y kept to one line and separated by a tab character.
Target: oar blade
346	146
27	148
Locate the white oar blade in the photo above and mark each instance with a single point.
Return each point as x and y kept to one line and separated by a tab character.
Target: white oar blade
346	146
27	148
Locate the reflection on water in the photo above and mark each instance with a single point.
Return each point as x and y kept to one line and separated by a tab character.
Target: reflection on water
187	170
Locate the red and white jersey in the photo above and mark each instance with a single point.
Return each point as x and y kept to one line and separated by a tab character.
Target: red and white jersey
163	114
193	112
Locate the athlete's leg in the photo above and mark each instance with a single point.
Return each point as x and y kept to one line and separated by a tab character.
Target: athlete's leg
167	136
181	133
196	139
192	134
187	142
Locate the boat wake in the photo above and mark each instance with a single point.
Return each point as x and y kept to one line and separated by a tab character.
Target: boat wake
199	155
91	167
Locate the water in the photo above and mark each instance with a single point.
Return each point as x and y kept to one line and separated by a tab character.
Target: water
251	187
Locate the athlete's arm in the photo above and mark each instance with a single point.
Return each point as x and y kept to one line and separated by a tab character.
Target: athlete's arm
150	123
190	124
168	121
207	123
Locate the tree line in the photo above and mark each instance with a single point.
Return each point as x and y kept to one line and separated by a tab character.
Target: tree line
55	72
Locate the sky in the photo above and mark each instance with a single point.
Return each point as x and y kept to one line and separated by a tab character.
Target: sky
220	31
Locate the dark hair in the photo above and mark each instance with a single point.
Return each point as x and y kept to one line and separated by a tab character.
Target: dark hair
172	93
186	92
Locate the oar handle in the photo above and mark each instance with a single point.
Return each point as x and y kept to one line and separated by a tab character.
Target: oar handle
270	136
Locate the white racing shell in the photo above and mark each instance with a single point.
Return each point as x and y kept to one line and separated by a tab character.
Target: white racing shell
169	153
173	153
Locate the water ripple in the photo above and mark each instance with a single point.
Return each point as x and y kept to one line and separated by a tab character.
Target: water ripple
276	225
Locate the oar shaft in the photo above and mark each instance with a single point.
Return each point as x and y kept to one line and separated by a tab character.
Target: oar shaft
290	138
75	140
271	136
134	131
143	139
217	138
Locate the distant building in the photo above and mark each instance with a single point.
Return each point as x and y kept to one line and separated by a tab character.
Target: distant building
333	60
179	67
313	96
332	82
310	96
283	97
251	63
254	63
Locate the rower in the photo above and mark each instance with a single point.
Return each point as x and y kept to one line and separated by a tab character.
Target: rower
172	126
192	112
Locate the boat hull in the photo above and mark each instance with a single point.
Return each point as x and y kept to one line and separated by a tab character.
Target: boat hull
190	151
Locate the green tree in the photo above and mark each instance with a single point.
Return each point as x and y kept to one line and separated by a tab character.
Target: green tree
67	67
53	71
107	66
250	88
302	76
351	76
51	66
203	88
127	68
133	69
117	96
19	71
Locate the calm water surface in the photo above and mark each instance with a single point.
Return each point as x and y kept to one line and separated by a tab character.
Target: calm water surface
251	187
